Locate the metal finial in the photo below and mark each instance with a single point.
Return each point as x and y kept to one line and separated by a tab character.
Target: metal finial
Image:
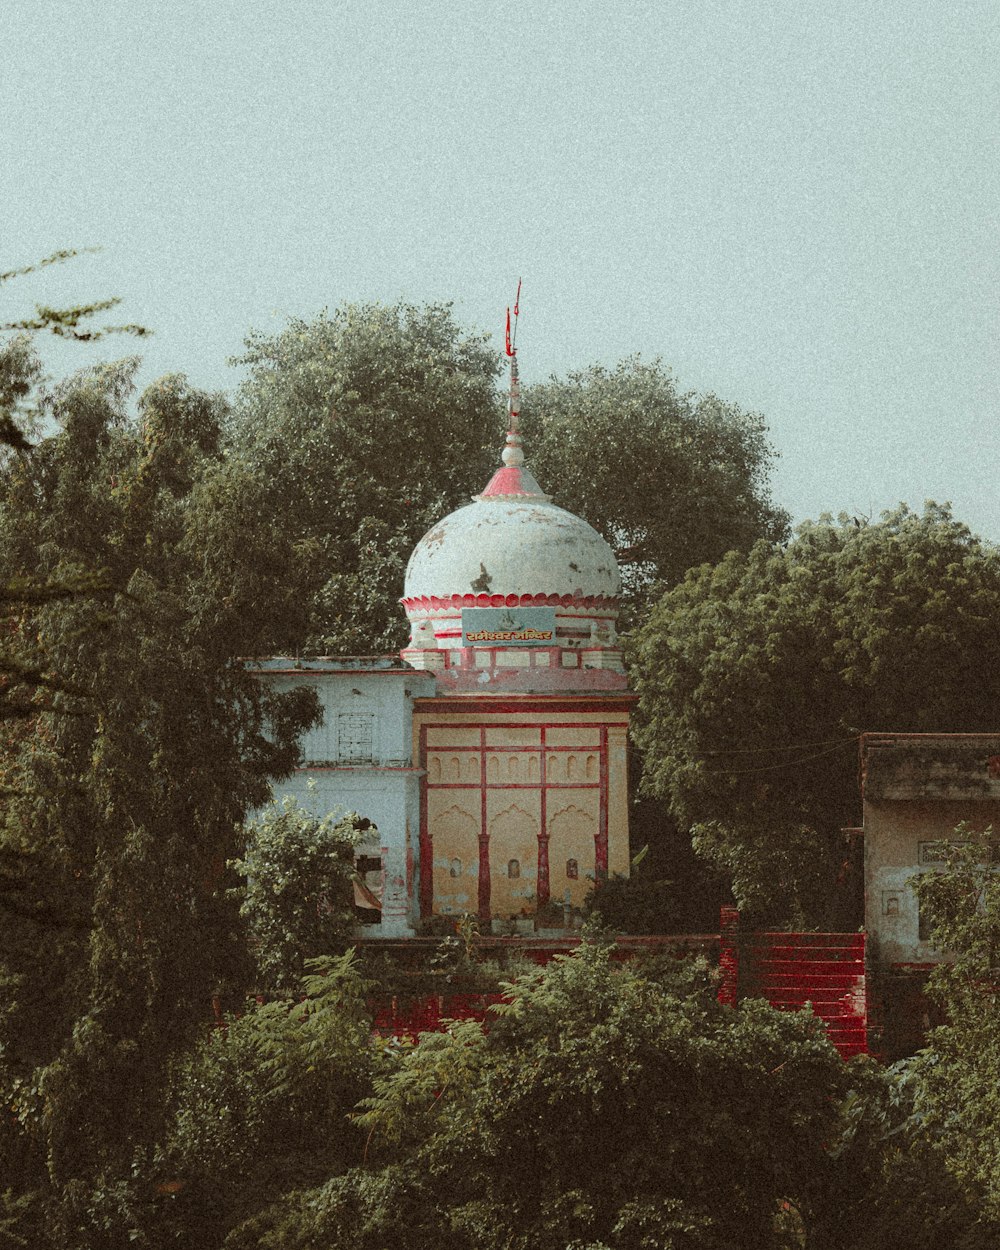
512	453
513	481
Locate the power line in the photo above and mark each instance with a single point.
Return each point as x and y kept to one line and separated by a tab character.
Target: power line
799	746
767	768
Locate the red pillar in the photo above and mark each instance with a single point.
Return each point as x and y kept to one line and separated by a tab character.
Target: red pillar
424	839
484	878
601	840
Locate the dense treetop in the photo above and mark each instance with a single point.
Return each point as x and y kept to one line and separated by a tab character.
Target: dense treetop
959	1072
672	480
356	432
756	676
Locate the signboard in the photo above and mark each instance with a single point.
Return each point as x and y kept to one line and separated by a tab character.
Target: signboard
508	627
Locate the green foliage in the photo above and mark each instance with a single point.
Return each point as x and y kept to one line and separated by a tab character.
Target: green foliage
960	1071
638	903
19	368
19	371
261	1106
149	742
671	480
756	676
633	905
885	1179
298	896
22	1224
73	322
460	963
600	1108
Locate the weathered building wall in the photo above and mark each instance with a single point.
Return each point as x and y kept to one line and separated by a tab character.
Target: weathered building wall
916	789
359	758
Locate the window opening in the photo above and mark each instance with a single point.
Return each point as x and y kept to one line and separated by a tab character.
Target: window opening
355	735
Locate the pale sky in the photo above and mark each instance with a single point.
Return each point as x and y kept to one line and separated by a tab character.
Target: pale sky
793	203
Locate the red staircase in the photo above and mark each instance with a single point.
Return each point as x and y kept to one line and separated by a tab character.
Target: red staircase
826	970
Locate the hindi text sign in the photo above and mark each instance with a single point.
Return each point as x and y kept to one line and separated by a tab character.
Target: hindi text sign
508	627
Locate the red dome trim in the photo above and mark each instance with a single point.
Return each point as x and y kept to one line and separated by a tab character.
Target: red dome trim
428	603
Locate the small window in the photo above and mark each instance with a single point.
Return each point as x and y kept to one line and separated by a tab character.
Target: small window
513	868
355	735
572	870
455	868
368	863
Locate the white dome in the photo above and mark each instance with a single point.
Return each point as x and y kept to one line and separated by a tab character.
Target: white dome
507	544
512	548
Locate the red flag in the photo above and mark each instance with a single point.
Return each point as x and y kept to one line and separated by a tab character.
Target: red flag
517	297
510	350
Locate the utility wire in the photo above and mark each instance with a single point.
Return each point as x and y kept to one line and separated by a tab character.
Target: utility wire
799	746
767	768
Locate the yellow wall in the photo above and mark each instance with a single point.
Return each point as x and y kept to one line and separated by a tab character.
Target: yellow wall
511	751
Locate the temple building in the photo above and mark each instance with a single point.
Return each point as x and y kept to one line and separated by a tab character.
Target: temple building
491	755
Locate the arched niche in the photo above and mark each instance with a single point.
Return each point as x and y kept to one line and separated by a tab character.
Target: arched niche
455	849
513	839
572	831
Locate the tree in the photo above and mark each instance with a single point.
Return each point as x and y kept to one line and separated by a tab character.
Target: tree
757	675
126	798
20	416
959	1073
73	322
361	429
18	366
262	1106
368	426
671	480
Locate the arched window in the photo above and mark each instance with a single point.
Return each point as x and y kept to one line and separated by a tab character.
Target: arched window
572	869
455	868
513	868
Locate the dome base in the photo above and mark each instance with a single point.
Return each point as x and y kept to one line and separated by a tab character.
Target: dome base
520	670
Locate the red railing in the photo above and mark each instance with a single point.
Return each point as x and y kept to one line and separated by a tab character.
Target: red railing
408	1018
825	971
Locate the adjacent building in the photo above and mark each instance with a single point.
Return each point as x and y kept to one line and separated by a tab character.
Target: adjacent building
916	790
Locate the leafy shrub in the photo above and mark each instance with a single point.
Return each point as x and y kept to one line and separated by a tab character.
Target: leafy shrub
298	898
261	1106
632	905
601	1108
